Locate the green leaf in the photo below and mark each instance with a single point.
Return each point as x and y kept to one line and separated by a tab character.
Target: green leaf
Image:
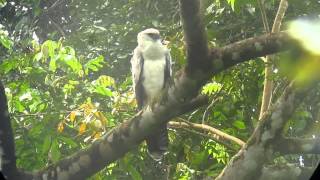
5	40
103	91
55	151
239	124
53	65
199	158
134	173
48	48
2	3
94	64
46	144
67	88
72	62
38	56
211	88
68	50
74	82
18	106
231	2
8	65
69	141
105	81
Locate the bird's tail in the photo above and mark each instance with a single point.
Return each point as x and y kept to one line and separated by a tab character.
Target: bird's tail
157	143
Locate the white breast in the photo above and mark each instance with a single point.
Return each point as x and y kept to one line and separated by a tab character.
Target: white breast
153	73
154	51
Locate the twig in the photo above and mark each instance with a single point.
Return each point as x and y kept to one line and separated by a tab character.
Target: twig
213	102
210	136
63	34
268	82
55	4
264	16
216	134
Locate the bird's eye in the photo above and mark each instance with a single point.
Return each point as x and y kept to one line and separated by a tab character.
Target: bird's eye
154	36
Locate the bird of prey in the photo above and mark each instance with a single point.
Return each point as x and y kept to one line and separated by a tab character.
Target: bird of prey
151	73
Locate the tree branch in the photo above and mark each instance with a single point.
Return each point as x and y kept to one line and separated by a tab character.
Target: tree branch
210	136
57	26
279	16
53	6
268	82
7	150
235	53
195	36
287	172
263	16
297	146
216	134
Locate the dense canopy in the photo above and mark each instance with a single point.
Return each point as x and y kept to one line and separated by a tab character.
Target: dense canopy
244	102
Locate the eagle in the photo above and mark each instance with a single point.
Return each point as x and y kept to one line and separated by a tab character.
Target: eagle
151	73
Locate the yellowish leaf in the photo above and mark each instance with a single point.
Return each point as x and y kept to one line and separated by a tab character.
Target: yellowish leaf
106	81
97	124
60	127
72	116
88	108
90	105
97	135
133	102
83	106
82	128
99	115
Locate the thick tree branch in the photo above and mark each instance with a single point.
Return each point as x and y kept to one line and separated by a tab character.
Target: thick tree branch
7	150
287	172
216	134
195	36
251	48
297	146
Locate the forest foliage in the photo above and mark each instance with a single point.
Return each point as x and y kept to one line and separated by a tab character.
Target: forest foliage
65	67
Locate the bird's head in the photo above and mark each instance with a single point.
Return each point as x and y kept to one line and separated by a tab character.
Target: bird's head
147	36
